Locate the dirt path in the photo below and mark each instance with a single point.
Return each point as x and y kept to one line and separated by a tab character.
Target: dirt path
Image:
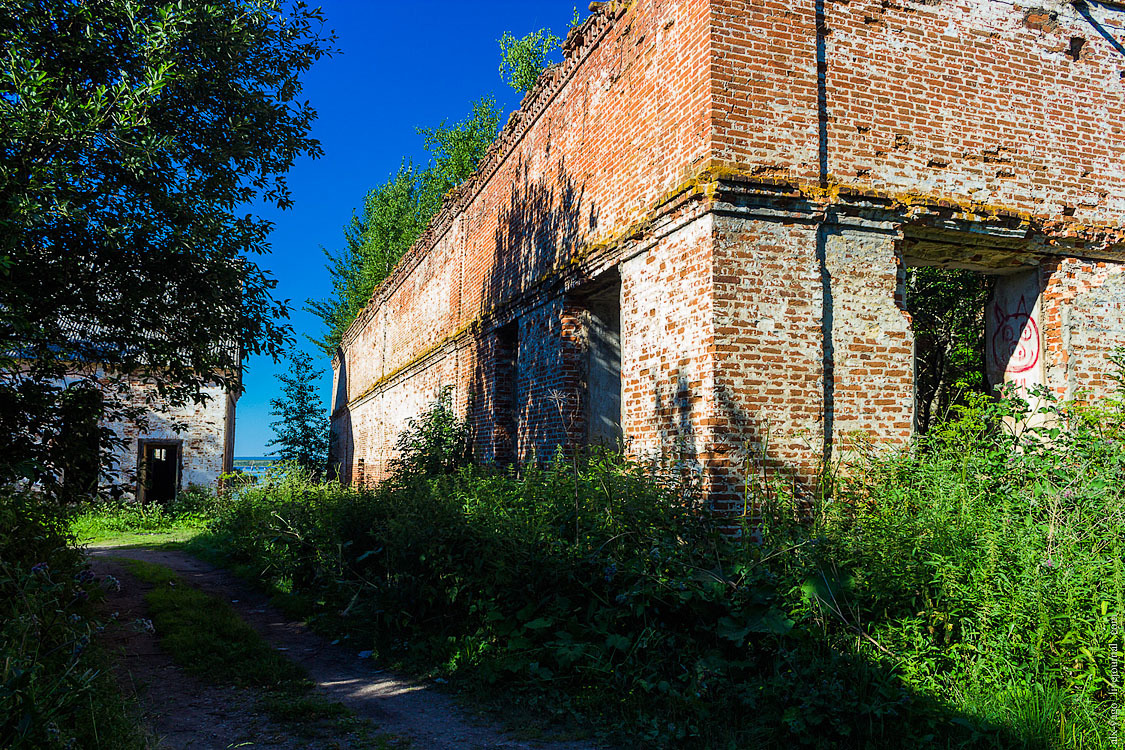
187	713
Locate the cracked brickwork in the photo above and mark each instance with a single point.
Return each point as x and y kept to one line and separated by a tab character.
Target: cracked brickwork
751	179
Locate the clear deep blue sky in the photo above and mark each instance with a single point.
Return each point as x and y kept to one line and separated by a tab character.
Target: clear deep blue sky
401	65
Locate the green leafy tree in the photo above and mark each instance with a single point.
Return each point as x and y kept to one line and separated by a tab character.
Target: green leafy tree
302	423
132	135
523	60
947	307
395	215
457	150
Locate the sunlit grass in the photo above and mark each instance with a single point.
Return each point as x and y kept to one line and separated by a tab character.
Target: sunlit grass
204	635
128	526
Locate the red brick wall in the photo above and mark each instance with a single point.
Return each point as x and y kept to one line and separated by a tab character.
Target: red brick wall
962	100
603	139
1083	317
757	220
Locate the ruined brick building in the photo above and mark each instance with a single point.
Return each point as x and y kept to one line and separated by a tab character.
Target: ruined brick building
692	236
178	446
156	456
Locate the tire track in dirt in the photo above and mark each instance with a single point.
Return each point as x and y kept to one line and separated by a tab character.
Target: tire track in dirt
397	705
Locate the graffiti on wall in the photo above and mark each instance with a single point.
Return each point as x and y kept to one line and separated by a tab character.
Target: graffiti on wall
1014	346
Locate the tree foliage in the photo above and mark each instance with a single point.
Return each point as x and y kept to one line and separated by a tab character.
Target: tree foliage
396	213
457	149
302	424
393	216
132	135
435	442
947	307
523	60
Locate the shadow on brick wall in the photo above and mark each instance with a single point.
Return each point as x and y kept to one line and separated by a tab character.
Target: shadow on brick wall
522	356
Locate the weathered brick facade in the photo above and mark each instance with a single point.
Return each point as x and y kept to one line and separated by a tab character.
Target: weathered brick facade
198	440
744	183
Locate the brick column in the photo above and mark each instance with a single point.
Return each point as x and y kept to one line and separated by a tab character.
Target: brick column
811	339
872	355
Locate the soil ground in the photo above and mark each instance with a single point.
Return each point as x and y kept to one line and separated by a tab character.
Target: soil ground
183	711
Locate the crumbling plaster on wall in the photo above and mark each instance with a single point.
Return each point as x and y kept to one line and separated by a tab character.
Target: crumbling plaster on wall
206	435
759	216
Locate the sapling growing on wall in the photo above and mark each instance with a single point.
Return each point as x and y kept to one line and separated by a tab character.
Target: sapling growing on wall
523	60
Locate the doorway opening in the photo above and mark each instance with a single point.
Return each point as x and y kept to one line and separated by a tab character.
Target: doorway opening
975	329
603	367
159	471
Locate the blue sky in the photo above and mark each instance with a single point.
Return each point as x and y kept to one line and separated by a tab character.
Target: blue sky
402	65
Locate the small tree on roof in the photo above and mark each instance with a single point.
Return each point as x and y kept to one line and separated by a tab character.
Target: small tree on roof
523	60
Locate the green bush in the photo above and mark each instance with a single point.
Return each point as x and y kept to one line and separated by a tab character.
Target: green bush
103	519
959	594
54	690
988	562
602	592
436	441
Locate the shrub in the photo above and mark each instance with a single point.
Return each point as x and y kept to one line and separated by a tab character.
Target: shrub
987	561
435	442
193	507
631	604
960	594
54	692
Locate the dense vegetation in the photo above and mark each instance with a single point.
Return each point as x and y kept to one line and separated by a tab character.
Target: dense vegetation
132	136
55	690
964	593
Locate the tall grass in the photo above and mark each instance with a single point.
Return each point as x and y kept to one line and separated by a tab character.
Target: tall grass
55	688
124	521
963	593
987	561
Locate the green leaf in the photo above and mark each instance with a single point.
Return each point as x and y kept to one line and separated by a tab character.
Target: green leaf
618	642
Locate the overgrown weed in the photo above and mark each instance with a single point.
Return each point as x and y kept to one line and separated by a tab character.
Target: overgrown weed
55	687
123	522
958	594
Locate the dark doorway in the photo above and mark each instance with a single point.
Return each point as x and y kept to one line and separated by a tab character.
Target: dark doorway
160	472
975	329
506	430
947	314
603	374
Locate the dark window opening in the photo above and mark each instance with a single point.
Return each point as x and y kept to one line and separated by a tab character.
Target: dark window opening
974	330
160	472
505	443
603	367
947	311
